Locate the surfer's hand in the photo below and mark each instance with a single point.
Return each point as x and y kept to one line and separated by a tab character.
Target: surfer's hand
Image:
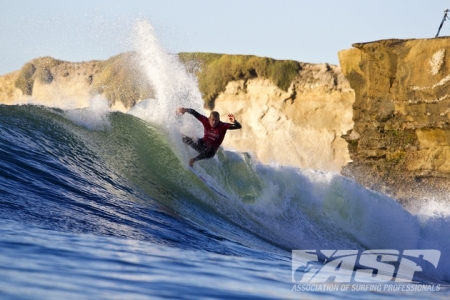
181	111
231	118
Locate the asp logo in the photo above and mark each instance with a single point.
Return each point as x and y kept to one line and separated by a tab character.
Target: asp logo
370	266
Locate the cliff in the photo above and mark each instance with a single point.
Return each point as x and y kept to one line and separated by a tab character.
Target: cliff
299	127
292	113
400	143
57	83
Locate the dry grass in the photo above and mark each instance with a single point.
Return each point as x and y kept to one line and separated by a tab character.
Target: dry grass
37	69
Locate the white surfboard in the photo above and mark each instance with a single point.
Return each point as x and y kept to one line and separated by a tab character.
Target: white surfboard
206	182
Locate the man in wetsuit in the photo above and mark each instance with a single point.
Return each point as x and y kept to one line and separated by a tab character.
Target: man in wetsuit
214	133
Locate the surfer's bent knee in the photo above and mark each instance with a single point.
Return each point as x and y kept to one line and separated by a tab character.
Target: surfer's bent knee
208	153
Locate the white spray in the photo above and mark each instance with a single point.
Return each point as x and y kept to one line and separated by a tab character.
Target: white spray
94	117
173	86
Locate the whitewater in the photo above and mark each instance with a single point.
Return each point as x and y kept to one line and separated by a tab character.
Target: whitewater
97	204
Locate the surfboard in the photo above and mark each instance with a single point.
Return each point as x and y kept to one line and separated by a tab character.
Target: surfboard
206	182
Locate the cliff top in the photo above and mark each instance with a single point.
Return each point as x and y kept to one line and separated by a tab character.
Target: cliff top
394	41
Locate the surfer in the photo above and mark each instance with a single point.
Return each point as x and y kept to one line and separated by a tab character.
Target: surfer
214	133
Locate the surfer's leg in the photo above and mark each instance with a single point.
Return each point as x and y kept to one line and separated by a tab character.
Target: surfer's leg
190	142
198	145
207	153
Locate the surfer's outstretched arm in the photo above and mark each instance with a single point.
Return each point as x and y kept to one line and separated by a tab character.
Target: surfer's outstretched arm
234	124
191	111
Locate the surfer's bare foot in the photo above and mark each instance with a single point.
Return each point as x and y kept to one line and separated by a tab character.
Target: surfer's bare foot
191	162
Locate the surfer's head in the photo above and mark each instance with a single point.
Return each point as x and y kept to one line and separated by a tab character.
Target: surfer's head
214	118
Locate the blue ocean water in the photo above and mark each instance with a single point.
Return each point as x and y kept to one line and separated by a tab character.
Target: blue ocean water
101	205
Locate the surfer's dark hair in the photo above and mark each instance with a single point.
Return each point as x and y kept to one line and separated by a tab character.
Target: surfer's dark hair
216	115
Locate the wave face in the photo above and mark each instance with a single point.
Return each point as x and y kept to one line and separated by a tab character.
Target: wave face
112	191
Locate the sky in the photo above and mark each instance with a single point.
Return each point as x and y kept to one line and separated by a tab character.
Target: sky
301	30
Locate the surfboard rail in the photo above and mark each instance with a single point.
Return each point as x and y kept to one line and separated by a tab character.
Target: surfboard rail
207	183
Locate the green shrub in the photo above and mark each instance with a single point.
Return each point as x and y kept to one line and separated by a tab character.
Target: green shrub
214	71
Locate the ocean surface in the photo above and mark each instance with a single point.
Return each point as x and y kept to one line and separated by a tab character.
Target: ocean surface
101	205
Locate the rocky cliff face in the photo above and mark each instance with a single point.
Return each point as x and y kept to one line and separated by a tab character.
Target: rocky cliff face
292	113
400	143
67	85
300	127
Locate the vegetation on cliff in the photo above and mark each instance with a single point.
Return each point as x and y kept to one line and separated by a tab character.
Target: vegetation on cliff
118	79
37	69
121	78
214	71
